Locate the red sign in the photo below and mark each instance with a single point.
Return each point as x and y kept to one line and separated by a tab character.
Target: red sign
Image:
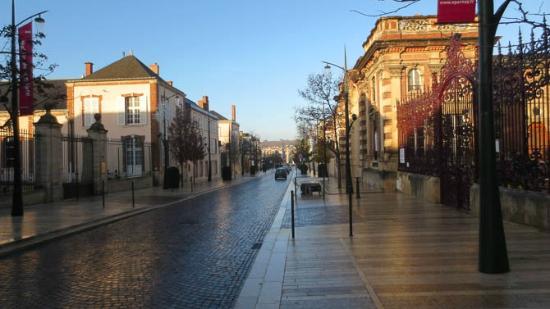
25	70
456	11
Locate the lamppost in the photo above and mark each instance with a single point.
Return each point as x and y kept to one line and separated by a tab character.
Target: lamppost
17	203
493	256
325	172
209	152
328	65
166	101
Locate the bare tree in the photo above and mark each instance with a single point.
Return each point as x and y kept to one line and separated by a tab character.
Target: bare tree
186	143
320	94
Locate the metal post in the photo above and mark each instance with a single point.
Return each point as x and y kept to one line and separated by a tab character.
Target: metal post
103	193
296	187
209	153
348	163
17	203
133	196
493	256
292	211
357	194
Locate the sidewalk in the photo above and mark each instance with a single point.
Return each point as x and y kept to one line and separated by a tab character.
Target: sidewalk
405	253
43	222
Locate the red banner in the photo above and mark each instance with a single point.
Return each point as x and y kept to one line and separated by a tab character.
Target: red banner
456	11
25	70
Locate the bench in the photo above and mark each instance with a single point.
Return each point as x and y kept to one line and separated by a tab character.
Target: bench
309	187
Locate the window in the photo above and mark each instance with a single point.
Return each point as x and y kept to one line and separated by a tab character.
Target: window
414	80
90	107
133	155
132	110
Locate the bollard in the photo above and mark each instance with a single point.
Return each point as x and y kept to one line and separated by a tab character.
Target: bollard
103	193
292	211
133	198
358	194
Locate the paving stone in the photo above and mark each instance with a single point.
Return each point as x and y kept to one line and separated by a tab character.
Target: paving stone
192	255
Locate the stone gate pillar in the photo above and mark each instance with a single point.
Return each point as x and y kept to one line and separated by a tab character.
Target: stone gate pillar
98	136
48	156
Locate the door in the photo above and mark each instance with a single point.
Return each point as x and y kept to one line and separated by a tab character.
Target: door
134	156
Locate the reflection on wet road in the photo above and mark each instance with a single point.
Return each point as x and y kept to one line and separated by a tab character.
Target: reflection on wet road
194	254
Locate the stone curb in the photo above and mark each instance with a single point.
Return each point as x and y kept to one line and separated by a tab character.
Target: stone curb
262	287
32	241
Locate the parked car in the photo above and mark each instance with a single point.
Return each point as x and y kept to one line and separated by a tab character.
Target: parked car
281	173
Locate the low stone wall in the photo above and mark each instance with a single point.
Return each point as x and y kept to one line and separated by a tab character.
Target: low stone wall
375	179
29	198
118	185
519	206
422	186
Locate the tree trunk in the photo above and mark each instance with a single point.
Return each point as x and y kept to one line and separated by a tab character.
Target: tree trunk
339	171
181	174
337	147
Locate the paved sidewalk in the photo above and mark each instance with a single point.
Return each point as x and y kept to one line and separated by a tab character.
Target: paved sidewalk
405	253
43	222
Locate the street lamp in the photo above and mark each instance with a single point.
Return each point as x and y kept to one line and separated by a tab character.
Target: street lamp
165	102
328	65
209	150
17	203
493	255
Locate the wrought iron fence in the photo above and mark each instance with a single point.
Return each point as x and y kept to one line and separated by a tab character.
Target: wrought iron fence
128	157
8	153
430	133
522	114
76	152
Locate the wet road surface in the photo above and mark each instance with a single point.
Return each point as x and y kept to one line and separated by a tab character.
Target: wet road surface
192	255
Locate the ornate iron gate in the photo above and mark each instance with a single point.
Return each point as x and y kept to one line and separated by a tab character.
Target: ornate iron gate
437	129
457	142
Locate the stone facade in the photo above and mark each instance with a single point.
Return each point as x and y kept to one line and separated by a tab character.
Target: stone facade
401	57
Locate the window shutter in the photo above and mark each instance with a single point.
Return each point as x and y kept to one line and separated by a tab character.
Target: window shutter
141	143
124	141
121	108
143	110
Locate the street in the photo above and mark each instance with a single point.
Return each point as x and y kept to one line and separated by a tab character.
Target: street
193	254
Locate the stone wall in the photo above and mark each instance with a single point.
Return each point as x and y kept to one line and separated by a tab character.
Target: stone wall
519	206
118	185
422	186
378	180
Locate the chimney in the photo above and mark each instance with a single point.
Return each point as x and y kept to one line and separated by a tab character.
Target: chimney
203	103
88	68
155	68
170	82
233	113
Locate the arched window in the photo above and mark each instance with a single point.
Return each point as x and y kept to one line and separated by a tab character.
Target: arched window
414	80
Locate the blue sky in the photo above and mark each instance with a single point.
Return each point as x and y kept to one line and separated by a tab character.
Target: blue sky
255	54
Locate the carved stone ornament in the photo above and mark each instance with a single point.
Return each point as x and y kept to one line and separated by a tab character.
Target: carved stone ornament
413	25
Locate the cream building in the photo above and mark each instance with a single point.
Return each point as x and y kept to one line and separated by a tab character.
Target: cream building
229	141
136	107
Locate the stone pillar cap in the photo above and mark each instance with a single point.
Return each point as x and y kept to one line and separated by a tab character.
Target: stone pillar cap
97	126
48	118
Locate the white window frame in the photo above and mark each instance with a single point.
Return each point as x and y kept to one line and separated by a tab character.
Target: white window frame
132	110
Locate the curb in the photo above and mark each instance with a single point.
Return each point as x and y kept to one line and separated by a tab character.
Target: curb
33	241
263	284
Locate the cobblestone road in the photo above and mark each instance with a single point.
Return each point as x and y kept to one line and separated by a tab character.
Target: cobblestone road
195	254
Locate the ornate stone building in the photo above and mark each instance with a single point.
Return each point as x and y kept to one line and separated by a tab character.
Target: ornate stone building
402	56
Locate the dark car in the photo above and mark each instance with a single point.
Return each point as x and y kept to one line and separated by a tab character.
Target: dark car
280	173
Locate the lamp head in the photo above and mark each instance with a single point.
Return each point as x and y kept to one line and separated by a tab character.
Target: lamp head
39	20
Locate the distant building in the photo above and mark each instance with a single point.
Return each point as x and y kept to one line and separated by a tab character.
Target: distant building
229	141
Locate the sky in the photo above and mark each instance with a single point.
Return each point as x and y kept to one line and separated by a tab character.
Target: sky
254	54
